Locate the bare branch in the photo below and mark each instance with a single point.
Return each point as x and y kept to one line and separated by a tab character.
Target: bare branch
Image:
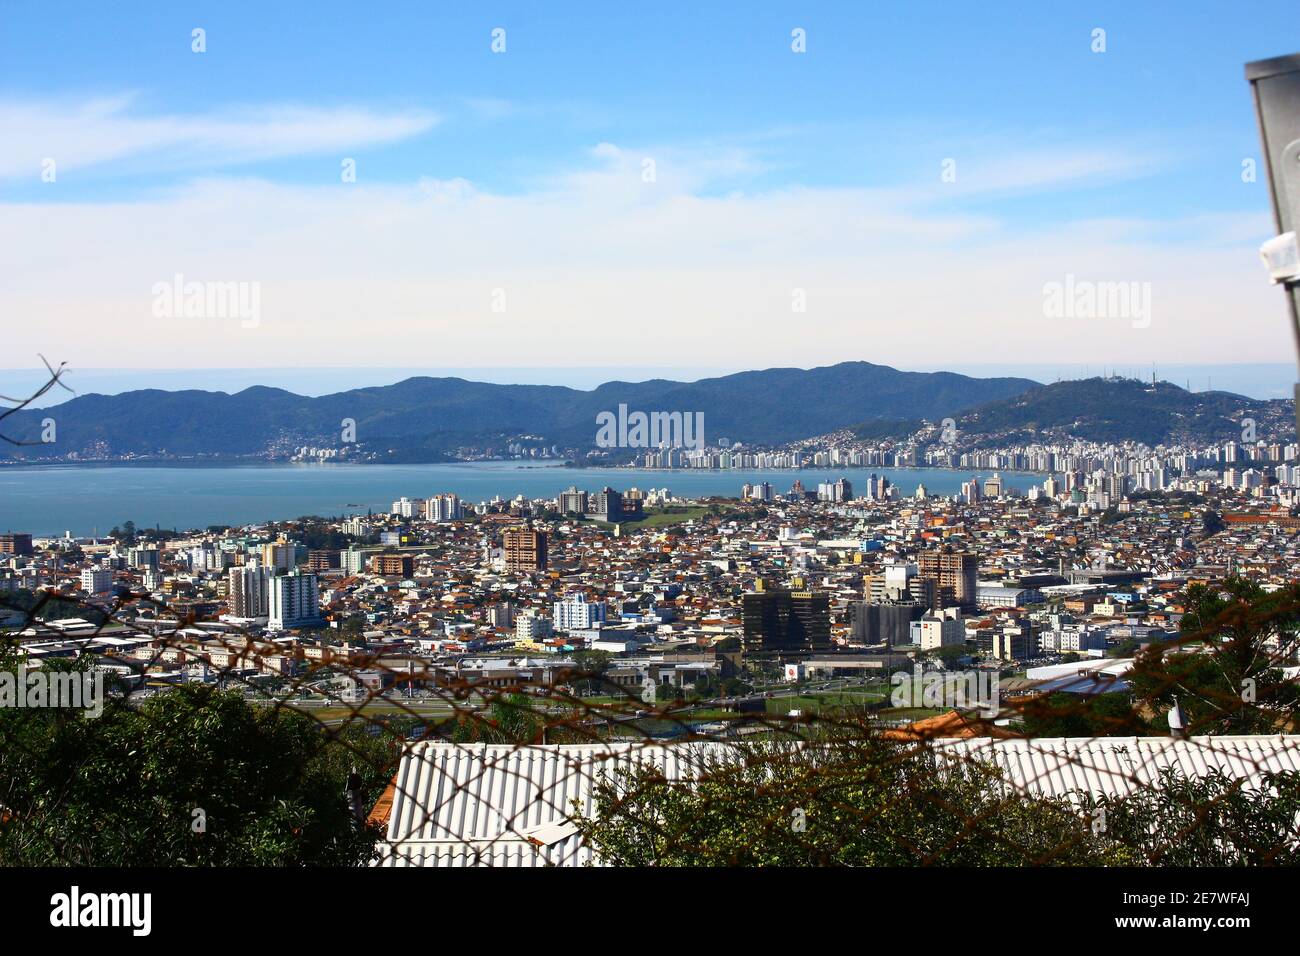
56	378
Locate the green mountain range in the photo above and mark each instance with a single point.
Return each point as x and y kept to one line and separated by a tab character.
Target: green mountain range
1110	410
428	419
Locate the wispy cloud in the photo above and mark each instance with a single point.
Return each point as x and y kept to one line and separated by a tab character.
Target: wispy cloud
82	134
602	262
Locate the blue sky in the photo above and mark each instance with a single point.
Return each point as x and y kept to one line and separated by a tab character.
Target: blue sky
522	171
880	86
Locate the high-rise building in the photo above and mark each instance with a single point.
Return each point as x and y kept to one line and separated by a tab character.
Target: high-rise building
209	559
891	582
248	591
1014	642
606	505
390	565
953	570
883	622
839	490
573	501
322	559
142	558
901	581
442	508
15	543
501	614
96	580
278	555
353	560
356	526
942	629
530	628
780	620
525	549
577	613
294	602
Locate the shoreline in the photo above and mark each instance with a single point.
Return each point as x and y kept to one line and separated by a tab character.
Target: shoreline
87	498
522	465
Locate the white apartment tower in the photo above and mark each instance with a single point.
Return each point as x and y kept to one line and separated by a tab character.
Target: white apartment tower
294	602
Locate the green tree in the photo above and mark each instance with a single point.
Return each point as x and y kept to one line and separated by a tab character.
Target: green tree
510	719
861	800
1210	821
588	673
1224	669
191	777
853	801
1079	715
734	687
950	653
46	606
669	693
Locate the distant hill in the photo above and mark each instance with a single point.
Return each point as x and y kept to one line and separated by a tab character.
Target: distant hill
1099	409
427	419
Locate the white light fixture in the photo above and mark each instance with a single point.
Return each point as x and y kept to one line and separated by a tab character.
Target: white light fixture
1177	721
1282	257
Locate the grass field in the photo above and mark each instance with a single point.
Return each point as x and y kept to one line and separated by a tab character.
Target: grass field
661	518
813	703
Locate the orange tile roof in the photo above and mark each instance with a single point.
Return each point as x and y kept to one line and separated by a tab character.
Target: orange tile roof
383	807
951	724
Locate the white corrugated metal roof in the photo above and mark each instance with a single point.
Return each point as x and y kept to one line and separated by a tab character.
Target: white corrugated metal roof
1115	667
489	805
505	800
1120	765
515	853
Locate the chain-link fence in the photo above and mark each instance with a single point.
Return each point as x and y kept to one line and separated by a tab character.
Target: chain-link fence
191	744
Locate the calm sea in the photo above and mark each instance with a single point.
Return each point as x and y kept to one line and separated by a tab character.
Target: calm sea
91	499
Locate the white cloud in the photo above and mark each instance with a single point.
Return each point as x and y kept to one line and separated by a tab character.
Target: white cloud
78	135
601	268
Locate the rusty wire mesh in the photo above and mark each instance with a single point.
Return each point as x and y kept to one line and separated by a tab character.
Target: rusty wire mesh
531	773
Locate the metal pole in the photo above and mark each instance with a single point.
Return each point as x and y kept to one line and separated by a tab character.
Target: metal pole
1275	84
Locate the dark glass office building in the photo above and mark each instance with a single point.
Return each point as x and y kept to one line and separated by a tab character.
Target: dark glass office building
781	621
